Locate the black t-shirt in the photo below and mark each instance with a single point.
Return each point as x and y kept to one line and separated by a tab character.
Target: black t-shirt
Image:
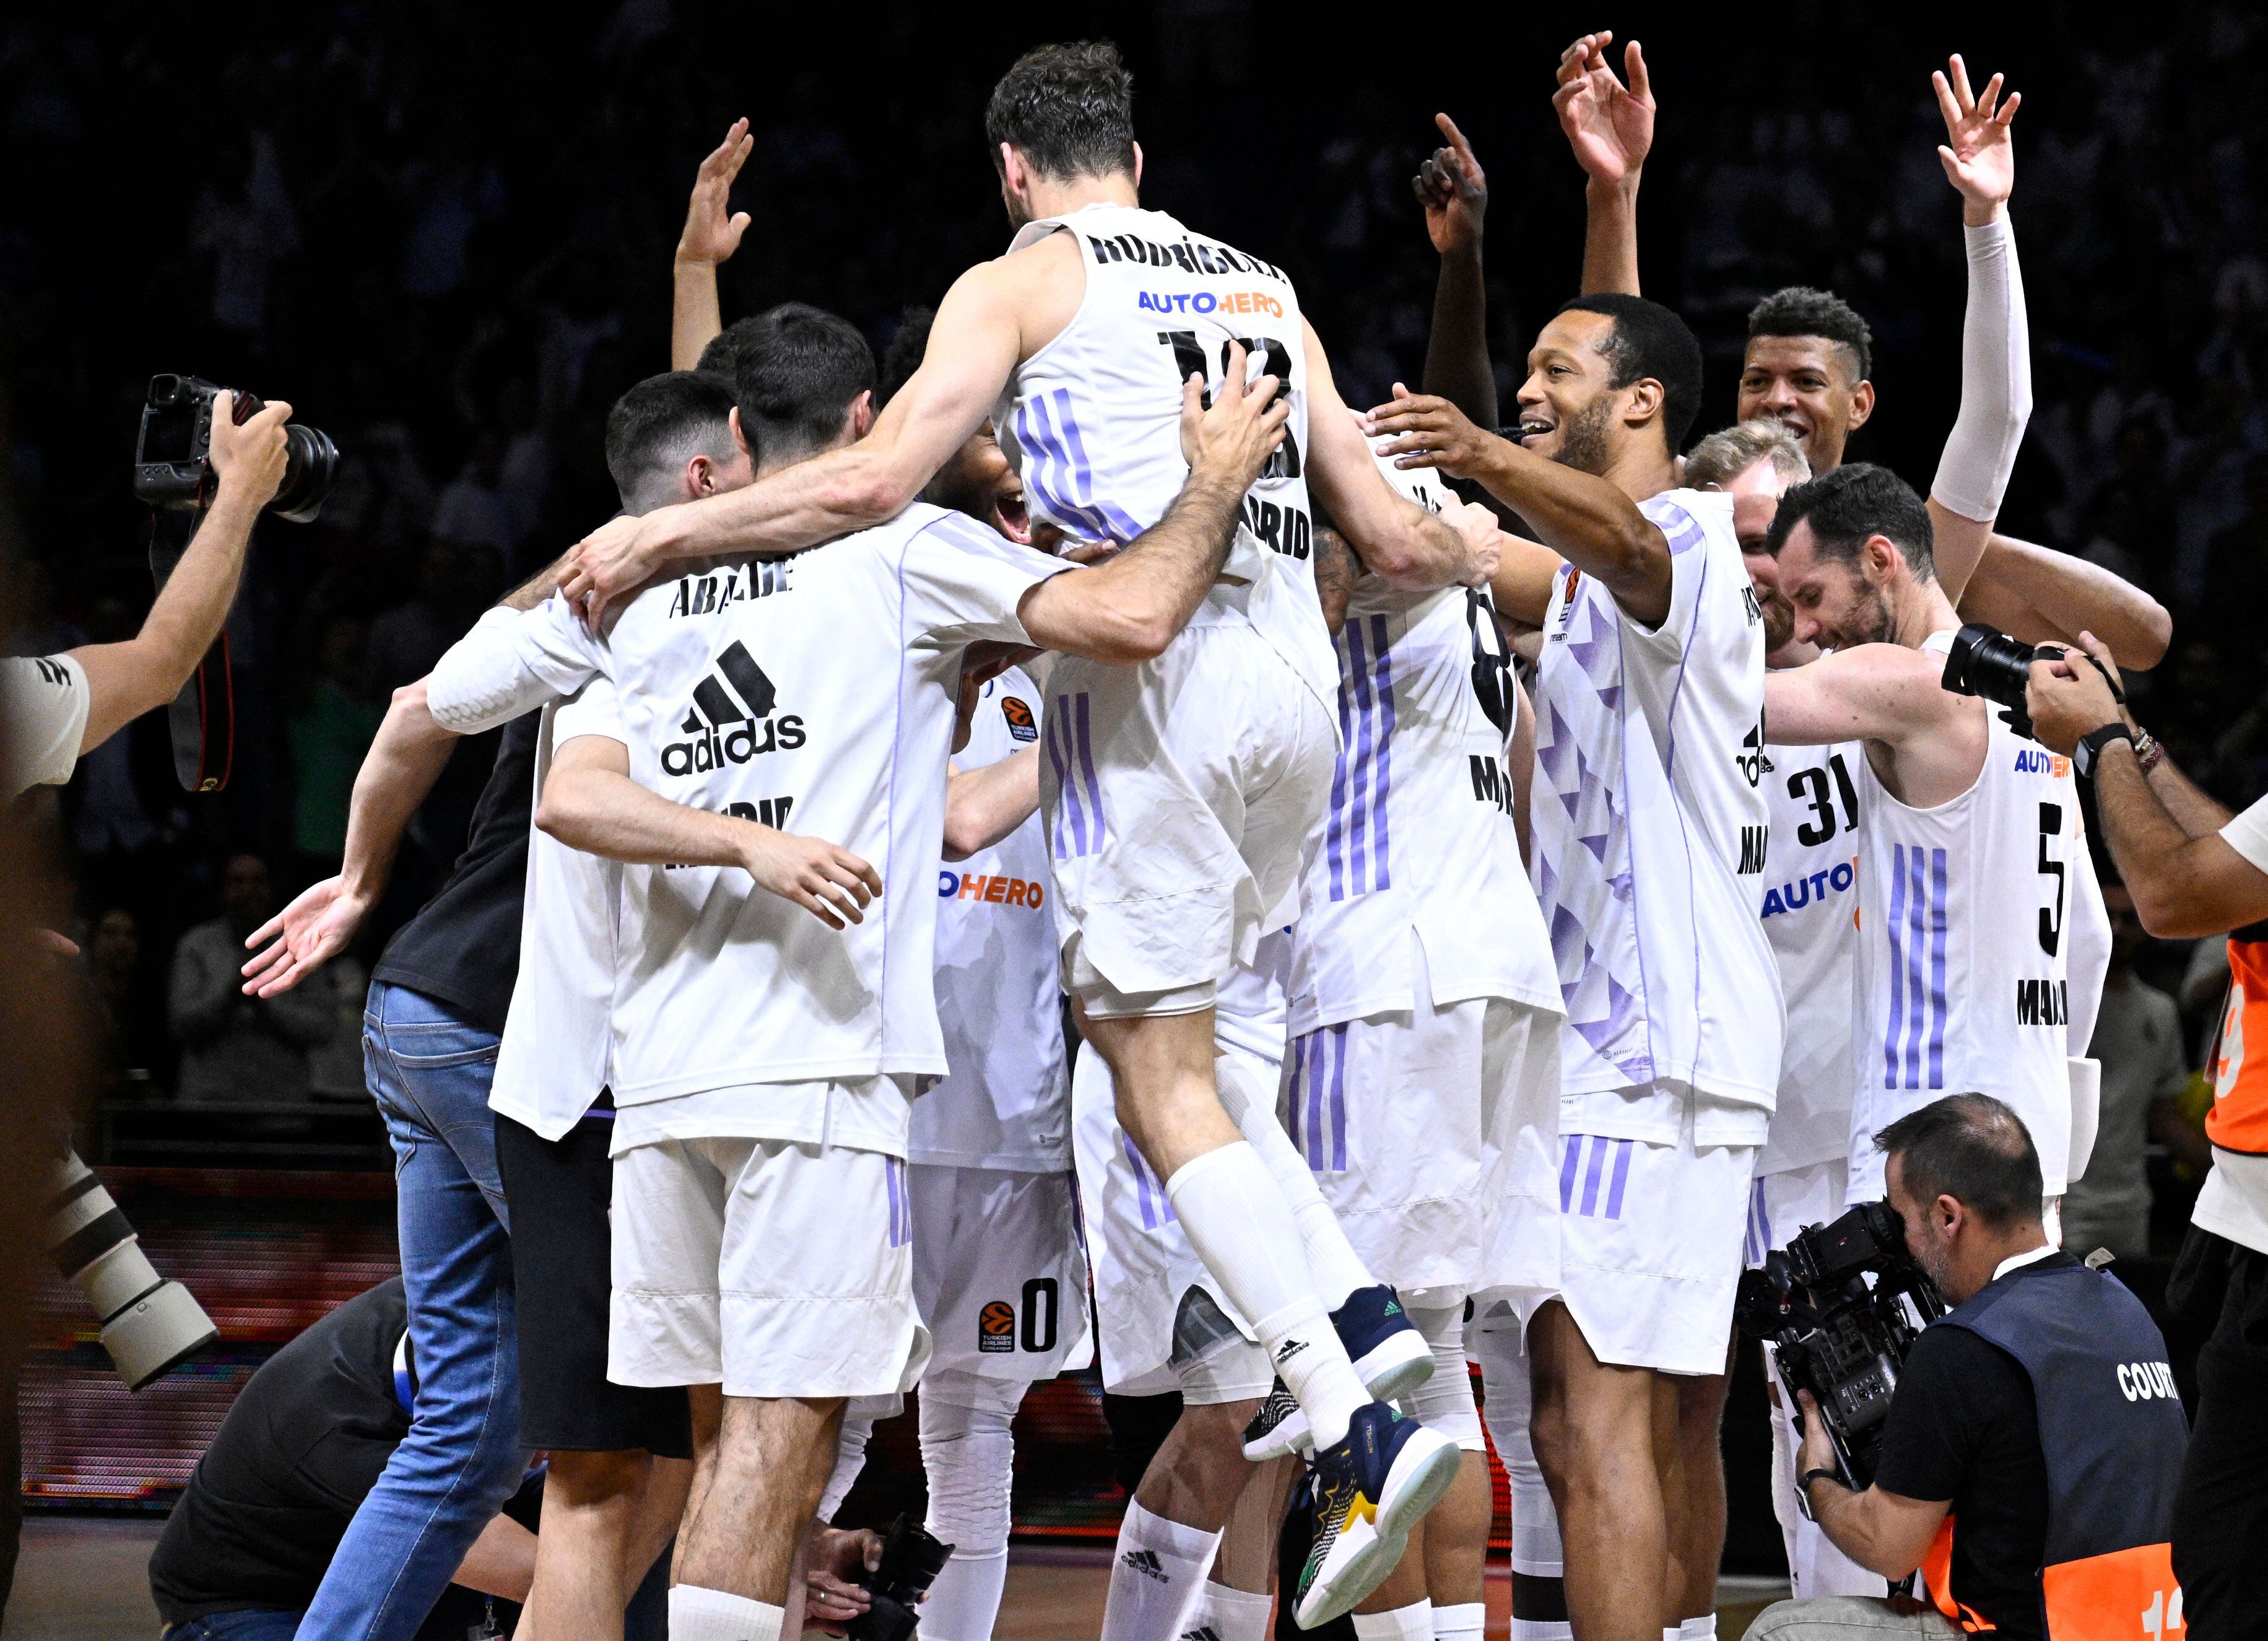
463	948
1963	1426
304	1443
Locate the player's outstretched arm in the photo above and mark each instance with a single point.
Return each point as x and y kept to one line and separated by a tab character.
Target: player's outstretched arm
1453	192
1127	610
1996	358
2042	596
1872	692
1609	126
1397	541
711	236
589	802
974	346
982	806
1580	517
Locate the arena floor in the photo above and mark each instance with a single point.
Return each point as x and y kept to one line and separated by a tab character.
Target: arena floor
81	1580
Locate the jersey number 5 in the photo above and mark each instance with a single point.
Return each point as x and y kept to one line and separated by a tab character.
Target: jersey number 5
1264	356
2051	914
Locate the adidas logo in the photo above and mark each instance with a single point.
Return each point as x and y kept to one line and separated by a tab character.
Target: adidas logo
730	720
1203	1632
1145	1562
1289	1349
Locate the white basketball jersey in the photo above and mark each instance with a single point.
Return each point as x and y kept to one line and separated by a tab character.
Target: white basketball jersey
1418	836
1093	419
1962	956
1649	825
1005	1101
1810	893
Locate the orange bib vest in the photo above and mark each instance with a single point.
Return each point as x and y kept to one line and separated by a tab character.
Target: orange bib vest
2239	1118
2113	1432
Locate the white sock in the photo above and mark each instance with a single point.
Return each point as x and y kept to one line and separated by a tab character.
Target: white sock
1235	1216
699	1614
970	1456
1156	1578
1413	1622
1536	1629
1337	1268
1701	1629
1455	1624
1231	1614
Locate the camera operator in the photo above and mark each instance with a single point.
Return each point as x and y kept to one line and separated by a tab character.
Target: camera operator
2195	870
58	708
2034	1439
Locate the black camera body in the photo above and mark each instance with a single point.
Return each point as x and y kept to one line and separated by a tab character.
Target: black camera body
172	454
1988	663
1840	1306
911	1559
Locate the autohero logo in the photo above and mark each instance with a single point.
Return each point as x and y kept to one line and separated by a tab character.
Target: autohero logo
996	1329
730	721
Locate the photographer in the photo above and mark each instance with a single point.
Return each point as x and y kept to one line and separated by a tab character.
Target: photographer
58	708
2030	1455
2195	870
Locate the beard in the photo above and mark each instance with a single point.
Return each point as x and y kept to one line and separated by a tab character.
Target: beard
1870	621
1779	620
1583	439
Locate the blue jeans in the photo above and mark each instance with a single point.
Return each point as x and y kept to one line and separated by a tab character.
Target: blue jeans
429	1074
250	1624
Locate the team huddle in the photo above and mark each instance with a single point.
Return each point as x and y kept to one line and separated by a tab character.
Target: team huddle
1502	881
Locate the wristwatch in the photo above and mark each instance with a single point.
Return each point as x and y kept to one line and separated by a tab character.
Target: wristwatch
1803	1489
2089	745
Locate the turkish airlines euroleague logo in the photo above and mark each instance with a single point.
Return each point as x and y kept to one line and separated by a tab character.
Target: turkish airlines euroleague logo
996	1329
1021	725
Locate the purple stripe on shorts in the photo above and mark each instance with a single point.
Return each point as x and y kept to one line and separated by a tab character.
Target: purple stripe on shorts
1570	1152
1599	1143
1338	1098
1622	1174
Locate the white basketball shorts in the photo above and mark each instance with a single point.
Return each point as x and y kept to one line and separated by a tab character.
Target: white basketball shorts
1653	1199
772	1268
1433	1135
999	1272
1179	797
1783	1202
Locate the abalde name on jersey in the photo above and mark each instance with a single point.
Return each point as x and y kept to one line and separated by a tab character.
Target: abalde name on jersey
714	593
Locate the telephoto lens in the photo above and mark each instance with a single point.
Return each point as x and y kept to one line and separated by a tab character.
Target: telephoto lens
149	1323
911	1560
1985	662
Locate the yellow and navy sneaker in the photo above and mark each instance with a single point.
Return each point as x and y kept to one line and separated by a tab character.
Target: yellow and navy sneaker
1391	1356
1370	1490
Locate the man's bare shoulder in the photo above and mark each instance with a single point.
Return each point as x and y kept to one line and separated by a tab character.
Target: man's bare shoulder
1040	284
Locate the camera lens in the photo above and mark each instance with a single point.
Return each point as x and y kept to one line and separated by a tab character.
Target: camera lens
311	468
1986	662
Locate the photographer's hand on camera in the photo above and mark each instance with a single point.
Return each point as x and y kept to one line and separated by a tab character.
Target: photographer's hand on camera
2068	700
834	1593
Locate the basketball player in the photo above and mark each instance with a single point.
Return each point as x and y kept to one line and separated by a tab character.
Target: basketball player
1648	705
1176	833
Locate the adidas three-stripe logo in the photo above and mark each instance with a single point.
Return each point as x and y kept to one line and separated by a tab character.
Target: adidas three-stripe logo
711	703
731	718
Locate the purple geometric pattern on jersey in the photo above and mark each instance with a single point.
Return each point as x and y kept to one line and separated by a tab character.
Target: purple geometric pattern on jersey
1913	1042
1149	1195
1314	1099
1582	845
1682	528
1059	475
1355	840
1079	826
1580	1175
901	1216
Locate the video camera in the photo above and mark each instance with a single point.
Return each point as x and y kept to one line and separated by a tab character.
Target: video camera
911	1559
173	474
1840	1306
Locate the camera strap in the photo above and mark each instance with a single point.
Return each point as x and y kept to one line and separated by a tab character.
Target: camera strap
203	718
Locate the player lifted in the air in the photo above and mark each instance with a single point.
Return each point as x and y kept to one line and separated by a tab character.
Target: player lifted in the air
1178	792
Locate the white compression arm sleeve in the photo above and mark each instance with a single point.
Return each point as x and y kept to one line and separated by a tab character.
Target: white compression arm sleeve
510	663
1996	380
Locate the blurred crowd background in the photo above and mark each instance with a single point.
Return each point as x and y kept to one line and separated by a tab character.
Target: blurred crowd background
444	232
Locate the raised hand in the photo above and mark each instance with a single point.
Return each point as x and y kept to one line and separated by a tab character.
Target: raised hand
1453	190
303	937
1978	155
1426	431
711	236
1608	124
1232	441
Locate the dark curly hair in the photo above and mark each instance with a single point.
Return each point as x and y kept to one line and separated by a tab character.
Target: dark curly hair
1068	110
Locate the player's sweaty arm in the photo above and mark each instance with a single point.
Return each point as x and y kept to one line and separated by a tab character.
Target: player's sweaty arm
2042	596
1880	692
982	806
589	802
1397	541
1128	609
973	349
